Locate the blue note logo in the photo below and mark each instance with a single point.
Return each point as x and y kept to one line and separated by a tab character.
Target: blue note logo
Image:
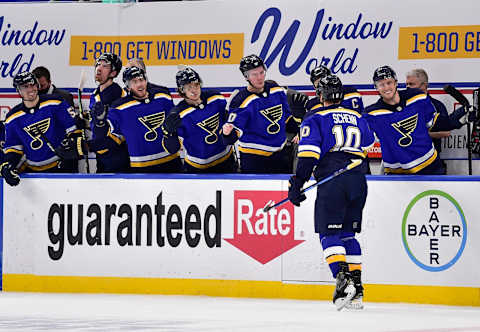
434	230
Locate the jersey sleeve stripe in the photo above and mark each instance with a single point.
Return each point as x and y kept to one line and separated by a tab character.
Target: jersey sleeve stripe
421	96
127	105
213	98
14	116
186	111
162	95
352	95
50	102
248	100
309	148
380	112
308	154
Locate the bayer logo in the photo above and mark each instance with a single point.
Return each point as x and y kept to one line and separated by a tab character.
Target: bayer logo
434	230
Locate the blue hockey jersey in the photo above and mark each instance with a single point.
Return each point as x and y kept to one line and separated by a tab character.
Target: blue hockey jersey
138	123
200	130
260	119
403	131
333	129
113	158
27	128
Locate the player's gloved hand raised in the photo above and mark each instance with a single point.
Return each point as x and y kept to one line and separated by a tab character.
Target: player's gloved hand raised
72	148
171	124
9	173
298	105
294	191
99	114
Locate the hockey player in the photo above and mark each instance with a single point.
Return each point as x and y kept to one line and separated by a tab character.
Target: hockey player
113	159
197	120
137	119
401	120
137	62
352	99
329	139
260	115
35	128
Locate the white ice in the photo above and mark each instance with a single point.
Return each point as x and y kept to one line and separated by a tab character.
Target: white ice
103	312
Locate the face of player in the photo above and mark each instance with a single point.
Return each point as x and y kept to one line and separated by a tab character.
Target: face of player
414	82
44	84
138	87
387	88
28	92
256	77
192	91
103	72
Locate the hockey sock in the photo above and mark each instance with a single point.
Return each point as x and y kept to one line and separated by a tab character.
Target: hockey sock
334	252
353	251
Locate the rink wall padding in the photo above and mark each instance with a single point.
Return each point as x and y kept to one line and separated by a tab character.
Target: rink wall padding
207	235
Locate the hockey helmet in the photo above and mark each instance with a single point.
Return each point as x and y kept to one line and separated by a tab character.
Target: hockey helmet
249	62
319	72
112	59
382	73
185	76
130	73
330	87
24	78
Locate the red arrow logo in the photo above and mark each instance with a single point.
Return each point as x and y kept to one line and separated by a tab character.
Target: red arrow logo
262	235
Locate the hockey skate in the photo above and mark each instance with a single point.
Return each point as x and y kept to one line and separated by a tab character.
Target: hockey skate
344	289
357	301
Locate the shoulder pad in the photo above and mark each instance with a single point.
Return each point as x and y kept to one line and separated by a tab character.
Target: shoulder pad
238	99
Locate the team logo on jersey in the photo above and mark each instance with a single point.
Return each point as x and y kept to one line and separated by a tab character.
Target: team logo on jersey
210	125
405	127
152	122
35	131
273	114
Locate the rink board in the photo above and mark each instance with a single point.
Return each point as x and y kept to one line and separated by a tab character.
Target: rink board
206	235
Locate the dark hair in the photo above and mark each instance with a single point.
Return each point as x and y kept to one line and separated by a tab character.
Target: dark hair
41	71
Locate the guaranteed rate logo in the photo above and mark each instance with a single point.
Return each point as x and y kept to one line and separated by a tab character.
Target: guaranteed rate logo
263	236
434	230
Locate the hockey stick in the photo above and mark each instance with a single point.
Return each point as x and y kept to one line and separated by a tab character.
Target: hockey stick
83	78
458	96
353	164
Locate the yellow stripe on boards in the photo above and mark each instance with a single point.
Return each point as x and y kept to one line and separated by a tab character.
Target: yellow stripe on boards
466	296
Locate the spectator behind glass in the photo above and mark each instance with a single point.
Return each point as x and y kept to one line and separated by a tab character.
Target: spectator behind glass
46	87
418	78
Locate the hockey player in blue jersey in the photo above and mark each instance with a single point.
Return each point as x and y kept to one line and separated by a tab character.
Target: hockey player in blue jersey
401	120
35	129
113	159
329	139
259	117
197	121
137	119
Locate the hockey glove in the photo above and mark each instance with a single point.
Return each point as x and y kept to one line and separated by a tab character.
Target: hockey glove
171	124
99	114
9	173
298	105
461	117
72	148
294	191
